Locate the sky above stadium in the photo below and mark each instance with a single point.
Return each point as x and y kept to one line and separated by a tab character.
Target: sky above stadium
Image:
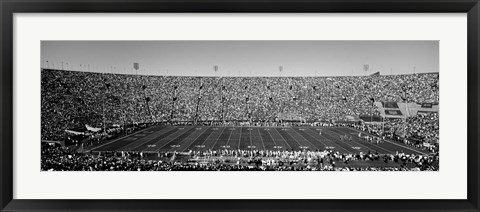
243	58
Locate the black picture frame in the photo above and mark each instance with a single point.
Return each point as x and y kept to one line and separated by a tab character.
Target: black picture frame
9	7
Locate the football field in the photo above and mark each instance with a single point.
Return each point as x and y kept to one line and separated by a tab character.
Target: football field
185	138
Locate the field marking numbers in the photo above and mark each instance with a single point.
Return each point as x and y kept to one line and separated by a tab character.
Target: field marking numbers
119	139
261	139
280	135
228	140
313	145
149	140
219	135
203	143
333	141
170	139
391	142
240	138
250	136
359	142
268	131
193	140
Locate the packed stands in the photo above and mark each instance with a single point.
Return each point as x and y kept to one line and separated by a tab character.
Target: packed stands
64	159
113	103
71	99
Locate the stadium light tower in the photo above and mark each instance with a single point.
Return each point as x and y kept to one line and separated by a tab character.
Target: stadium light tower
103	105
366	67
136	66
104	99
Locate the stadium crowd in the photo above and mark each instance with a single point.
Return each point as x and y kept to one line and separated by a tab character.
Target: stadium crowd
70	99
421	131
56	158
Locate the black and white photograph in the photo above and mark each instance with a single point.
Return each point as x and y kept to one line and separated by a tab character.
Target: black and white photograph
240	105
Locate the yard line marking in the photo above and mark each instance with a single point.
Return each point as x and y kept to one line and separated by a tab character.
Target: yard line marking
308	140
229	136
250	136
293	129
261	139
333	142
167	132
216	140
336	130
193	141
307	132
203	137
155	135
299	145
240	138
414	150
274	143
232	133
120	138
189	136
206	139
393	142
185	131
333	134
281	138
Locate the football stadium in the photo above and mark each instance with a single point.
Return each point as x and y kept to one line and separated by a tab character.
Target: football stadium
128	122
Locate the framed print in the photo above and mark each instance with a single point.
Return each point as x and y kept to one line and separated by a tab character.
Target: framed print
255	106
